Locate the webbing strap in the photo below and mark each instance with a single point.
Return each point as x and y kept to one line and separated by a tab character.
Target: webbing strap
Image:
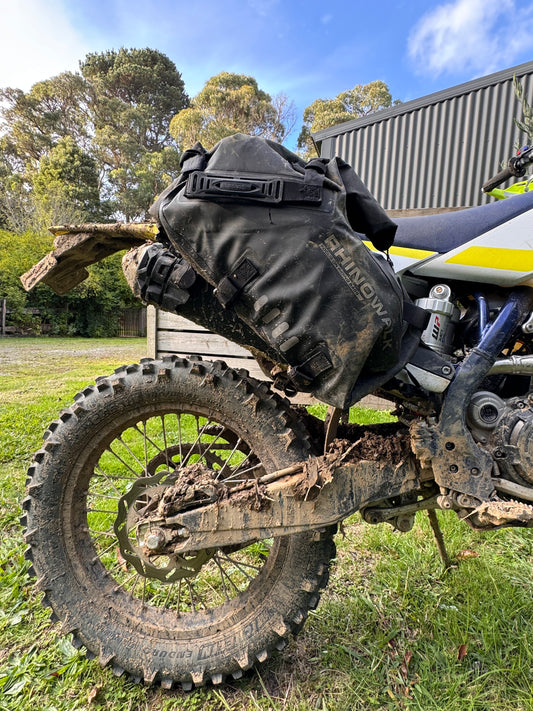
303	375
194	158
415	316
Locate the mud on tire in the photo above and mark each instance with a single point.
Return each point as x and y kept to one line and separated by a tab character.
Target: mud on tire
228	612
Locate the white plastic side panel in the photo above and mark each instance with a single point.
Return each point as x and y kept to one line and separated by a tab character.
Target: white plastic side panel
502	256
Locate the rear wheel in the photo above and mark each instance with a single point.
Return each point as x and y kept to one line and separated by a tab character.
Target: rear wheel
106	462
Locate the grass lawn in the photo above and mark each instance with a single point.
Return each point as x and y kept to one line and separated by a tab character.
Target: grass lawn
393	630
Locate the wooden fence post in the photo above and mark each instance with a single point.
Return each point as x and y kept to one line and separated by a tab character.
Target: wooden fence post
3	312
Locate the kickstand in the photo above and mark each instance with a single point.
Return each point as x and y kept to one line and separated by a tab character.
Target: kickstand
439	539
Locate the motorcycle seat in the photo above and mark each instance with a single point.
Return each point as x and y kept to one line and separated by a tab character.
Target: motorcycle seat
448	230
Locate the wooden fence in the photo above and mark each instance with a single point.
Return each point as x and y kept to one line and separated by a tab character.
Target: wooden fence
132	323
171	334
3	315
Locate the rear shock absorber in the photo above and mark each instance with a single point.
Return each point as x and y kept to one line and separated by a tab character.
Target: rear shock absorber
444	315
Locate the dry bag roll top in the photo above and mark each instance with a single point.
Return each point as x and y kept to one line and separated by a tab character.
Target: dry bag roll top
275	238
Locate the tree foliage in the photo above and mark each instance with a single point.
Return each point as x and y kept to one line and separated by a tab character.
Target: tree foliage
362	100
66	186
18	252
32	123
91	309
525	124
116	112
135	91
232	103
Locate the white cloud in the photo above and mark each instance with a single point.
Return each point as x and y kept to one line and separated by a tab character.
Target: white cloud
475	36
37	42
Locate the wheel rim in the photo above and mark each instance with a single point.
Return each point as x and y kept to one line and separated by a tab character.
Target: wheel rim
152	449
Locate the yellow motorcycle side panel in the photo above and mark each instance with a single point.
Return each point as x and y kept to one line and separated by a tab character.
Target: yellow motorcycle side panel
502	256
516	260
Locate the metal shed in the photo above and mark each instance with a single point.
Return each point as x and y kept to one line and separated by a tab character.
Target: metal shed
436	151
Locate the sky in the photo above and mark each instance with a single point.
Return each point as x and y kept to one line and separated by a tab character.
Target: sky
304	49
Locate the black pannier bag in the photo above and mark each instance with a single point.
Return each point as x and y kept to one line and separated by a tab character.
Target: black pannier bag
276	238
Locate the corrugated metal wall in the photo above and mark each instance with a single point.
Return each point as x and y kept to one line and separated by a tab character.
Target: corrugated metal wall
436	151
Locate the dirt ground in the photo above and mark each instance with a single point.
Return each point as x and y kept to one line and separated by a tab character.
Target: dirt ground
42	351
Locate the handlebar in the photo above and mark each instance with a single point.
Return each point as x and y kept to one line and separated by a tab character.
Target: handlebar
516	168
496	180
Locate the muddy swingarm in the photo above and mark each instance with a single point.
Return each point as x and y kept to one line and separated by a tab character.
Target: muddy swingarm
294	500
205	514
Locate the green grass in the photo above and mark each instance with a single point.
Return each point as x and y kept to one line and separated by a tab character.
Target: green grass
393	630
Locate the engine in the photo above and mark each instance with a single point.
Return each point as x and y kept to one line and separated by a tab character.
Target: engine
505	429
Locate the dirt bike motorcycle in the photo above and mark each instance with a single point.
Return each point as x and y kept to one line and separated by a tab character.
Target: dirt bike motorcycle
180	515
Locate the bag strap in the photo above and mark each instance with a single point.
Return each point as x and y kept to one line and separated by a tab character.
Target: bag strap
230	286
415	315
364	212
303	375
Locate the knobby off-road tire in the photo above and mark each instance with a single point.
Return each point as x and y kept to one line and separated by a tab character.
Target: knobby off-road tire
233	609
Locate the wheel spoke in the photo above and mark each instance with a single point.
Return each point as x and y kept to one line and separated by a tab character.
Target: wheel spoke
239	564
109	497
99	471
108	533
165	446
140	453
222	577
125	464
211	445
189	585
196	442
147	439
111	477
224	574
240	472
179	437
228	460
179	597
106	550
106	511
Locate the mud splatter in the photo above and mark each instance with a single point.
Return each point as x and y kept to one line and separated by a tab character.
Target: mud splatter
388	442
195	484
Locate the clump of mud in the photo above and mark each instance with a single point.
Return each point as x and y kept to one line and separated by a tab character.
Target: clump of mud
388	442
195	484
254	497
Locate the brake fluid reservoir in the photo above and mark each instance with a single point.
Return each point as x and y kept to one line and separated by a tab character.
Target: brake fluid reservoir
444	316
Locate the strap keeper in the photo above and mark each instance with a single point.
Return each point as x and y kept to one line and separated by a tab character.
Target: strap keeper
303	375
230	286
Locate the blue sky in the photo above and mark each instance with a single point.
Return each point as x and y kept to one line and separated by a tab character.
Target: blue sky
303	48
